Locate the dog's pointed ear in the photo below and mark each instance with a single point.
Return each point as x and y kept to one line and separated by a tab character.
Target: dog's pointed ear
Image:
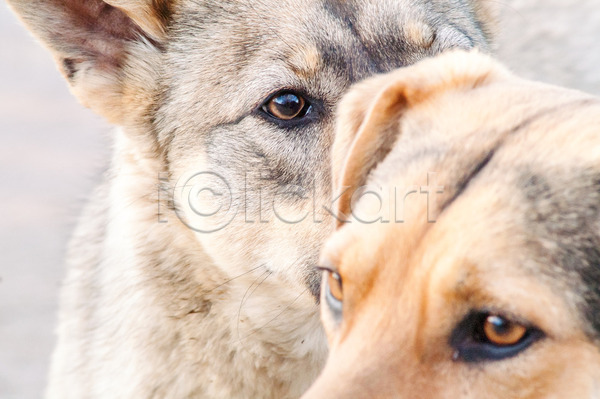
370	116
487	13
92	42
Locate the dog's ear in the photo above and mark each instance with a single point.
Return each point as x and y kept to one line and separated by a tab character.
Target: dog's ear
487	13
367	127
93	40
370	116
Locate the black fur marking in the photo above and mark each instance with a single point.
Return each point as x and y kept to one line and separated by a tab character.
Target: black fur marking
361	59
548	111
355	60
463	183
479	166
565	211
162	10
69	67
313	282
591	277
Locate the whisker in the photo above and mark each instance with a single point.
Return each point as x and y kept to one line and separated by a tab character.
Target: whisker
236	277
274	318
244	298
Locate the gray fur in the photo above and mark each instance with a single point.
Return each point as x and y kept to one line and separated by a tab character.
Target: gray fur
152	307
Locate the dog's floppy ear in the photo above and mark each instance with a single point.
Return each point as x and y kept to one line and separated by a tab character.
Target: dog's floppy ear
92	40
365	133
370	115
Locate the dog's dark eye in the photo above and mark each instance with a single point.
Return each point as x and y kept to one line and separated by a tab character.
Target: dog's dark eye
334	293
485	336
286	106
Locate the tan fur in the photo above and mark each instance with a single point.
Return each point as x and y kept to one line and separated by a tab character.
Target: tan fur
161	301
494	245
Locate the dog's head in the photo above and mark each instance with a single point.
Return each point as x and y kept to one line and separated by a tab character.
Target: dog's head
469	264
234	101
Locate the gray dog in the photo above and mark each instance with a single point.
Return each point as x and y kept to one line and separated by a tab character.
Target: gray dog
191	273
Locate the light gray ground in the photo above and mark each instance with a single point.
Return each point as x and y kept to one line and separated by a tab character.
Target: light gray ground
52	151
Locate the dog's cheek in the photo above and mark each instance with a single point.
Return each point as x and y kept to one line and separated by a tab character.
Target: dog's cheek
536	373
577	380
216	205
281	188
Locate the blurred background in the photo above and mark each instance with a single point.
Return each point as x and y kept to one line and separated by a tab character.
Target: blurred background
53	151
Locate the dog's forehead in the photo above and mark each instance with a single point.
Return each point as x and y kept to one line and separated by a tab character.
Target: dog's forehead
354	37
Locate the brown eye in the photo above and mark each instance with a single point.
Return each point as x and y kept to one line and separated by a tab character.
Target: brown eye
484	336
502	332
334	286
286	106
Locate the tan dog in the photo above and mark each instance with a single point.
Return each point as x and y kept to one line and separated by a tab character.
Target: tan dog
191	273
491	287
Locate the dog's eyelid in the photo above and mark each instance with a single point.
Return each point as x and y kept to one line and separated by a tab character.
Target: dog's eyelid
327	268
506	314
284	89
324	269
327	265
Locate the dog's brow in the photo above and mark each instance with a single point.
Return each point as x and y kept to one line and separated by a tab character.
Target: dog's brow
305	62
